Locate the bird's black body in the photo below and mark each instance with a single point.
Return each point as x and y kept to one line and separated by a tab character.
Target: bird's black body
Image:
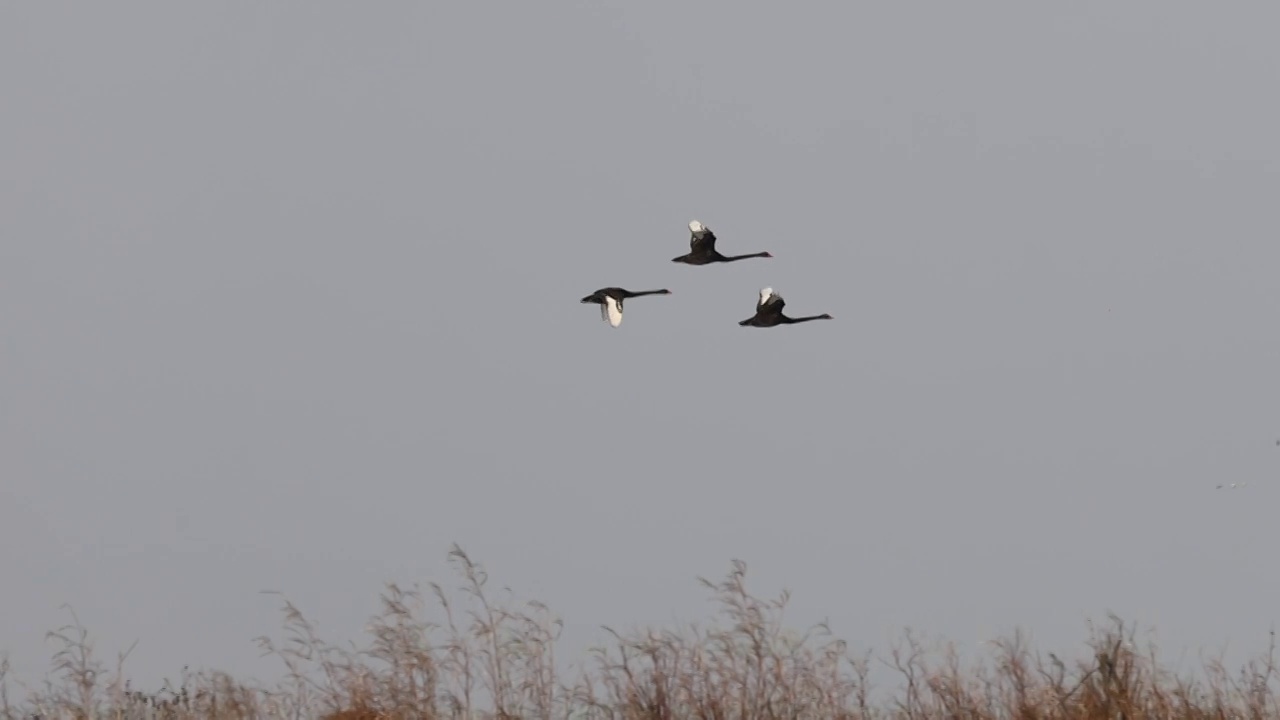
702	248
769	312
619	295
602	297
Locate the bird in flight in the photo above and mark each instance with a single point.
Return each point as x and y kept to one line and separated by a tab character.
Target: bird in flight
769	312
702	248
610	301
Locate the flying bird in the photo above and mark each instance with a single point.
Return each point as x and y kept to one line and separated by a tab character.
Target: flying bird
702	248
769	312
610	301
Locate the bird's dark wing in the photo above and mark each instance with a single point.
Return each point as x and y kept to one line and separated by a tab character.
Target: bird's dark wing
704	241
774	304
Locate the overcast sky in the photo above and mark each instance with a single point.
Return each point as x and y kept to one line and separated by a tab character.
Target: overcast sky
289	301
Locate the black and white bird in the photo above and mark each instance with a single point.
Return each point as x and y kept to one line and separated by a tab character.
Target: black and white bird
610	301
769	312
702	248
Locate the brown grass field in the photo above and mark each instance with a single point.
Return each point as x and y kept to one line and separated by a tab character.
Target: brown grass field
492	661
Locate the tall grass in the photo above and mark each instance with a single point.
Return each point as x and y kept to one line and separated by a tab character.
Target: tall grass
485	660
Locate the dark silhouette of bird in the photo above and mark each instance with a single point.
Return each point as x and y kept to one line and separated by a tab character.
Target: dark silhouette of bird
702	248
769	312
610	301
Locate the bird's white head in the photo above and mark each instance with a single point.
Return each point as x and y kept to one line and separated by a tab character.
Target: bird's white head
765	294
696	226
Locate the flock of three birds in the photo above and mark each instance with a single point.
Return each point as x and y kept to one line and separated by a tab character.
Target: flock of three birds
702	251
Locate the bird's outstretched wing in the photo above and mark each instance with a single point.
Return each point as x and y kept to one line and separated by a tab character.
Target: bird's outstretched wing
770	301
611	310
701	239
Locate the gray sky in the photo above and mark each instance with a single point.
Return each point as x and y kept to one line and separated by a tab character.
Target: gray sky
289	300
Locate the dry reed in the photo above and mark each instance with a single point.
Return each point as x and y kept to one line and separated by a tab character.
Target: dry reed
486	660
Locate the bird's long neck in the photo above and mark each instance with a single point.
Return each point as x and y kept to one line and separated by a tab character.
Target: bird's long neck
649	292
731	258
807	318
